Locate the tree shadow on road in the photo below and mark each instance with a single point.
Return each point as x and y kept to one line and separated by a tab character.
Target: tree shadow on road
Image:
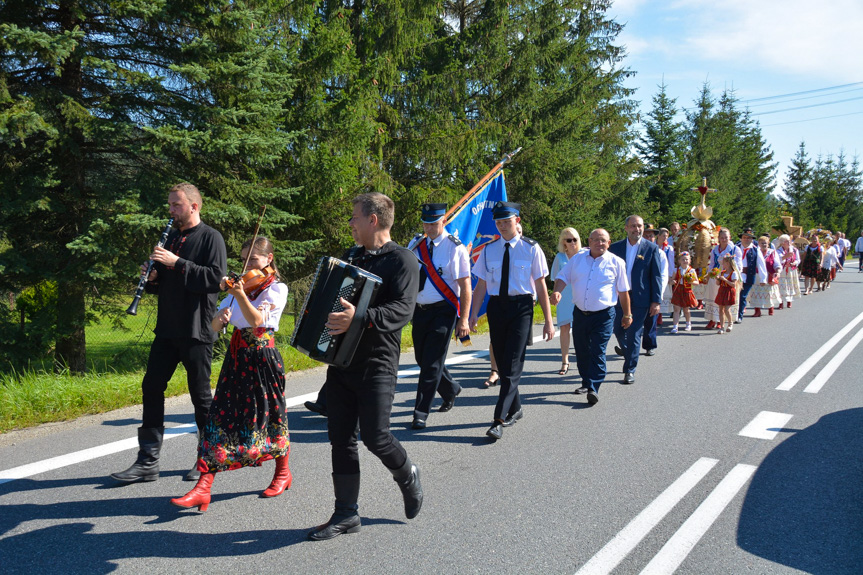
804	506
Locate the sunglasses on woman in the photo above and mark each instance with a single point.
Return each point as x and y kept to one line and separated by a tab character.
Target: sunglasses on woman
570	240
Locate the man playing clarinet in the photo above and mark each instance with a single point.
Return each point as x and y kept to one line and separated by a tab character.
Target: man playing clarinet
185	275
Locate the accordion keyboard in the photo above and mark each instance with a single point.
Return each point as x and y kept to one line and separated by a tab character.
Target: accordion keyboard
345	291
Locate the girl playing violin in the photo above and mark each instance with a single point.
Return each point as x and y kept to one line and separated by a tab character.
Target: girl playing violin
247	422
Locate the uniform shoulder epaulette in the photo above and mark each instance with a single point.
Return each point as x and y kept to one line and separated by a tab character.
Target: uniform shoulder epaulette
454	240
529	241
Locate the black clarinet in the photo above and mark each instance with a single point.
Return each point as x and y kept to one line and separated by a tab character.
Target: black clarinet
133	309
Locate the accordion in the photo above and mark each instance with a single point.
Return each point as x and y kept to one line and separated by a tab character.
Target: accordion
334	279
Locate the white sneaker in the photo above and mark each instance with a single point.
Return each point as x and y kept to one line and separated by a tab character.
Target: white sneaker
674	329
688	327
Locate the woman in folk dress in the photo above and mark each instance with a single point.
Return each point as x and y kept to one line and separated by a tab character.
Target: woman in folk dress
789	276
766	295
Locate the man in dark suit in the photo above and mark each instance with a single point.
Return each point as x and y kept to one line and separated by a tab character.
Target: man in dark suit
645	295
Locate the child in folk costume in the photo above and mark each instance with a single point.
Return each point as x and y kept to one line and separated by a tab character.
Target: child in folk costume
719	251
681	283
726	296
247	423
767	296
789	278
810	264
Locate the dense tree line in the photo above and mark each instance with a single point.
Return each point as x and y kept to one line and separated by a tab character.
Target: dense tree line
826	193
301	105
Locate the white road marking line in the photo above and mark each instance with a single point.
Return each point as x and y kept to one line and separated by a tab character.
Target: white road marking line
626	540
675	550
823	375
804	368
53	463
765	425
86	454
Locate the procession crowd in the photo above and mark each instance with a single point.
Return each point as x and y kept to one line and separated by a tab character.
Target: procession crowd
601	289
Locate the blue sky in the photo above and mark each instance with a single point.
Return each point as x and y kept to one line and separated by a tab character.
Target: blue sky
761	49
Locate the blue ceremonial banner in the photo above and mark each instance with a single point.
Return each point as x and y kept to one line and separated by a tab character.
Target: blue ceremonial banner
473	223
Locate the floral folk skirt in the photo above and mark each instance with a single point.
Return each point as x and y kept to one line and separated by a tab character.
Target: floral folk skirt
247	423
809	268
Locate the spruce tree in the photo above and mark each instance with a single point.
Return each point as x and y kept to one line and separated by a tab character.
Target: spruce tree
103	104
662	150
797	182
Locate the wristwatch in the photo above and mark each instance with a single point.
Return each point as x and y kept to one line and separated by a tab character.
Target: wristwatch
627	316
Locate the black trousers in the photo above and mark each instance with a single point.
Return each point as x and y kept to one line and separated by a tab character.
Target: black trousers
165	355
510	319
361	402
432	332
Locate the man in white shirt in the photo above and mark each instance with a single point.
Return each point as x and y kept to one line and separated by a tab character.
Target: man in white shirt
599	283
443	302
512	269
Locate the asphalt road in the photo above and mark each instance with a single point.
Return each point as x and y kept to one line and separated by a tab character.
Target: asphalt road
702	466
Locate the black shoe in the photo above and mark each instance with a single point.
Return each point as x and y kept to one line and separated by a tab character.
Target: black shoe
581	390
619	350
650	352
513	419
449	403
408	479
628	378
418	423
342	521
146	466
346	518
592	398
495	431
316	407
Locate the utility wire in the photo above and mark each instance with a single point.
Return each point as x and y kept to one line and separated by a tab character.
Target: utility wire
804	98
811	119
800	93
804	107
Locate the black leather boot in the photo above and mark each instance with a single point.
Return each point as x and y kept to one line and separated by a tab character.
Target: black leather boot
146	467
408	478
346	518
193	474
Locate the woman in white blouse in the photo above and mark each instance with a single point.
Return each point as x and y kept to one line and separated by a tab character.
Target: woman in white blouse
247	423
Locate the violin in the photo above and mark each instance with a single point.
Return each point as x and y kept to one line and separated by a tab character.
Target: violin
253	280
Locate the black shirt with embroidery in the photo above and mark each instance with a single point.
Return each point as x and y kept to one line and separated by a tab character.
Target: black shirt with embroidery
189	290
380	345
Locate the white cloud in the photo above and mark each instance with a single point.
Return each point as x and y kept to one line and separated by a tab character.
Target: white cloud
791	36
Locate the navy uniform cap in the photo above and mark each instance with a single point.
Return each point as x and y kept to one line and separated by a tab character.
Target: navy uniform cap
432	213
504	210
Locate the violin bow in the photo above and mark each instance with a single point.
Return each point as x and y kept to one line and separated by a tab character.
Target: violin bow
251	249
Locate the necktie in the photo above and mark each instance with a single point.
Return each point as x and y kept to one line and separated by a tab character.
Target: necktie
423	274
504	273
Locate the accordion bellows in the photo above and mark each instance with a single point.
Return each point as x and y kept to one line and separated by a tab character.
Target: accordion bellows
334	279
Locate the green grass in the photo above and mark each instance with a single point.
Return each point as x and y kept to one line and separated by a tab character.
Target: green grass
37	395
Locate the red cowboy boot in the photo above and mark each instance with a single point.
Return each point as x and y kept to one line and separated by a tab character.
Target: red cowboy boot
782	305
757	312
282	478
770	312
199	496
710	325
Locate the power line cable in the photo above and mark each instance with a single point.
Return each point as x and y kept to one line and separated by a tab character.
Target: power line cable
804	98
811	119
804	107
801	93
